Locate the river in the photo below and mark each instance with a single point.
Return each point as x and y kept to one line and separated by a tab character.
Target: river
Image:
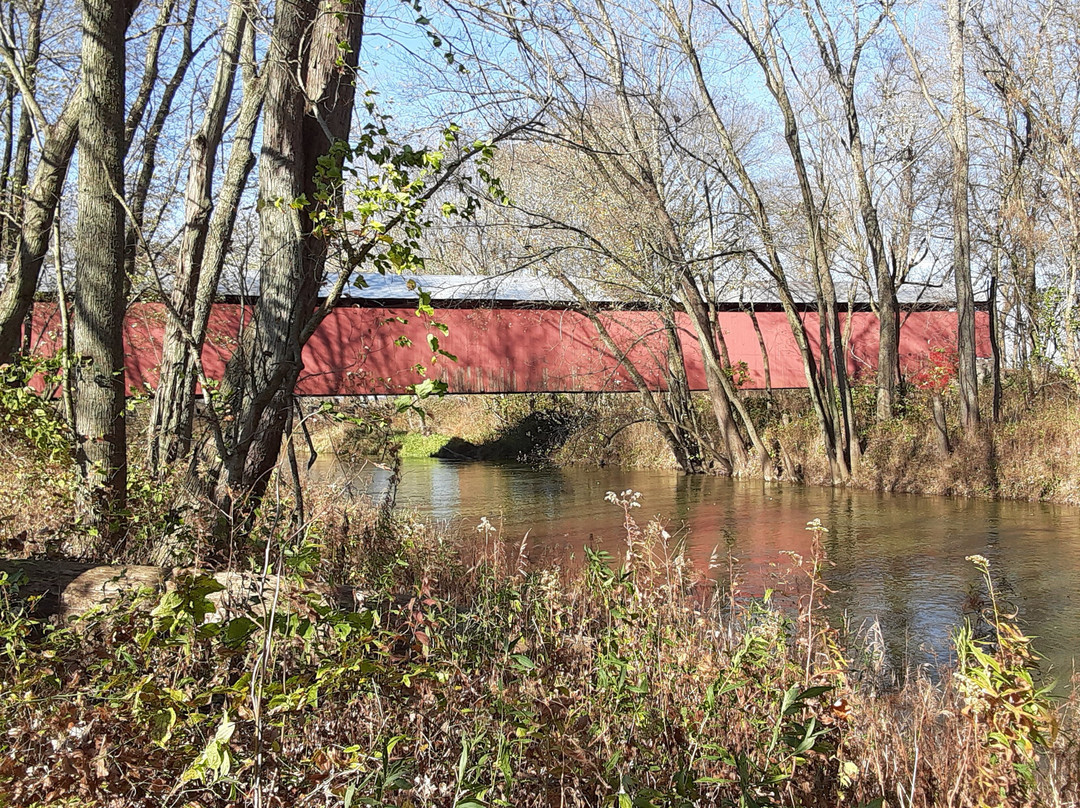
899	559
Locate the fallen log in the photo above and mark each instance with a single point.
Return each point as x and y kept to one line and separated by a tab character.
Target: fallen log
65	588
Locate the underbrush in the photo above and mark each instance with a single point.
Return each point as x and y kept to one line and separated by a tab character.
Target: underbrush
558	429
459	675
1032	453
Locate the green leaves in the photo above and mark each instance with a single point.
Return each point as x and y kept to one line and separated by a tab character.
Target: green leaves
996	678
419	392
238	630
186	605
522	662
26	412
161	726
215	760
433	344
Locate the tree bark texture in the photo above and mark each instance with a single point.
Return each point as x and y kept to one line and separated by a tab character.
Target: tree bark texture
35	227
100	438
170	417
318	45
965	295
941	431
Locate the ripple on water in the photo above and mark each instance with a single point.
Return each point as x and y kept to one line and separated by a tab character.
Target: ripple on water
898	558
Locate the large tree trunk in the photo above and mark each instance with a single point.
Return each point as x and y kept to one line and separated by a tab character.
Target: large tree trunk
301	124
170	418
99	292
965	296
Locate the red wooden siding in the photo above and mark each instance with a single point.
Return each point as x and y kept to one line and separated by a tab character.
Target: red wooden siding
515	350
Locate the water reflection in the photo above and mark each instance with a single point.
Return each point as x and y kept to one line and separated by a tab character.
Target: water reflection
898	558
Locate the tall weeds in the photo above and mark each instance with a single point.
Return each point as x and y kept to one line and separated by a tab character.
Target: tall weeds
463	676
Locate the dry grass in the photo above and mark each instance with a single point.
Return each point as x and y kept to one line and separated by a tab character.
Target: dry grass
1033	453
467	677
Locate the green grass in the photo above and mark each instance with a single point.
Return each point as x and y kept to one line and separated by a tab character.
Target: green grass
413	445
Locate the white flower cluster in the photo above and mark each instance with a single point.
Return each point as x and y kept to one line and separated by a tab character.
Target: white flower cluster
628	498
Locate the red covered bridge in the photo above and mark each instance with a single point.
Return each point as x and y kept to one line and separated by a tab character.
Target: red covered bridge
513	342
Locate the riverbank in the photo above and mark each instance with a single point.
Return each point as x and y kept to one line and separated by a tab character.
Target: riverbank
465	675
366	658
1032	453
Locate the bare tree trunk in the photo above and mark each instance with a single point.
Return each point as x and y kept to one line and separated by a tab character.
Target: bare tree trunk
20	166
680	400
27	223
301	124
995	338
714	370
965	296
900	260
837	398
99	293
771	260
941	431
220	231
888	370
8	204
646	178
761	348
151	71
686	450
170	418
723	395
136	226
32	236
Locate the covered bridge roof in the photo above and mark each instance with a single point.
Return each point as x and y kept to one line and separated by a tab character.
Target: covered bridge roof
530	290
